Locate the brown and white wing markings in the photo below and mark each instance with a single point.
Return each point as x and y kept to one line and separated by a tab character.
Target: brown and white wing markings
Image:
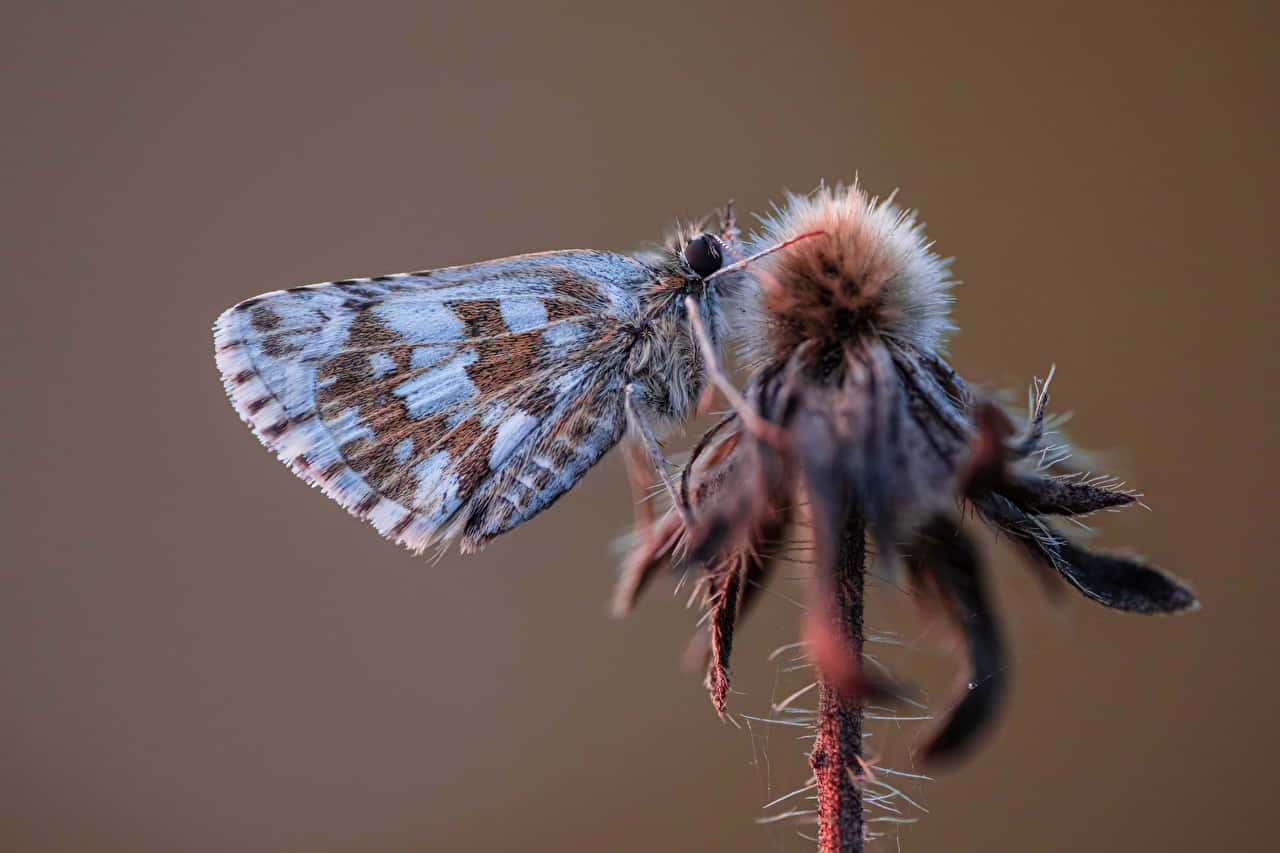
444	402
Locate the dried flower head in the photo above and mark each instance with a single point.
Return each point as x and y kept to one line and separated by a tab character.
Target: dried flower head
880	435
869	271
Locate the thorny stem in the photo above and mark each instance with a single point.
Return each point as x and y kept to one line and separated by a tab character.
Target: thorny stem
835	756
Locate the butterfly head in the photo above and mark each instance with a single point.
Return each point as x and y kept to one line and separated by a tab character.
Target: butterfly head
711	270
703	255
700	254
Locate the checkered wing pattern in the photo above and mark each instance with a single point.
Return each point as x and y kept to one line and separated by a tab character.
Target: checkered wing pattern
441	403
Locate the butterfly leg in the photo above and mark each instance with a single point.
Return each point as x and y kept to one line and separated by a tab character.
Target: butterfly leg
635	414
755	424
639	478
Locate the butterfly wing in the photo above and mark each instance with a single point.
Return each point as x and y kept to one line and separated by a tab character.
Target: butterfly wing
444	402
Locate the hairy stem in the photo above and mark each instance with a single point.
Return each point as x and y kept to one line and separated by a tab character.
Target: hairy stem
839	744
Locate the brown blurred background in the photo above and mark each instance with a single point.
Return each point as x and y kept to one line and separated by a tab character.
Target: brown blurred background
198	653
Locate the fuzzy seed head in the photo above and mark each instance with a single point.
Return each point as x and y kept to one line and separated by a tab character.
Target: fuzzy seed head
869	271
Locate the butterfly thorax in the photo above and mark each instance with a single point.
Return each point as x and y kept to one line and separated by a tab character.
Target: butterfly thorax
664	363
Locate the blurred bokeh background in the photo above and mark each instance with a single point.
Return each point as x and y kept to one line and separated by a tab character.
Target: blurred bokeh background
198	653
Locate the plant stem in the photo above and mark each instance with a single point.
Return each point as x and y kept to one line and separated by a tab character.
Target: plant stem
839	744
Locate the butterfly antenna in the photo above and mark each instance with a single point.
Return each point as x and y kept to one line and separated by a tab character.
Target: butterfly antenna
737	265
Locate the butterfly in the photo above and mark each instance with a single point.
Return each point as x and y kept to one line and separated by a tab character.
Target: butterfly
460	402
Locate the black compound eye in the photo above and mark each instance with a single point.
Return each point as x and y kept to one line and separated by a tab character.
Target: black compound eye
704	255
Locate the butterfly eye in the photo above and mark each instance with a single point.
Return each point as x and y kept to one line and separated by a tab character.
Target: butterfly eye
704	255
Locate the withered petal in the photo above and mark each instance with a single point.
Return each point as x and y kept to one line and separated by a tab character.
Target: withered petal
759	565
1123	583
945	557
1042	495
887	440
654	553
1118	582
723	603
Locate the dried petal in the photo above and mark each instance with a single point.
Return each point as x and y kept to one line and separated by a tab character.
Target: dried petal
1123	583
735	577
1118	582
885	437
655	552
945	561
723	600
702	655
988	469
1049	496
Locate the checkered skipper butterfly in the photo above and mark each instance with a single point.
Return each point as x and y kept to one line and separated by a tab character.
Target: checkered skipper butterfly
459	402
